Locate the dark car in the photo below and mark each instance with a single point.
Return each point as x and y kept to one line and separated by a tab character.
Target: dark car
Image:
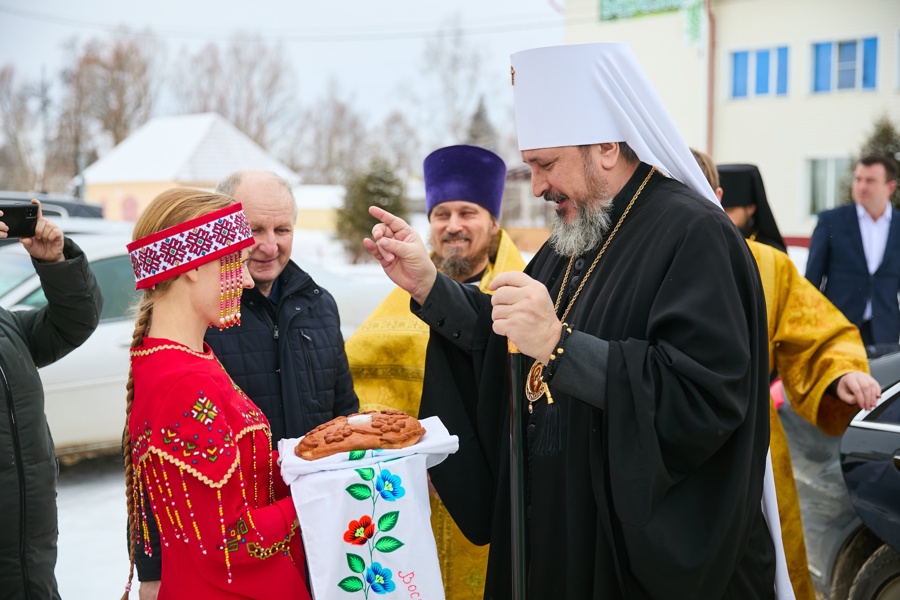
852	538
72	214
57	205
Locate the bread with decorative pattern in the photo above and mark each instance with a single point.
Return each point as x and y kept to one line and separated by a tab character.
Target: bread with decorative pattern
370	430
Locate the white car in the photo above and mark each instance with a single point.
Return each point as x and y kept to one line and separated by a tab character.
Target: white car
85	390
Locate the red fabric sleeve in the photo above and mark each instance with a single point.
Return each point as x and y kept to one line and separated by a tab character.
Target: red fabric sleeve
201	495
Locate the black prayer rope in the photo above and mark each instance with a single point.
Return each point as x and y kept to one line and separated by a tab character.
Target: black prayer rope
556	355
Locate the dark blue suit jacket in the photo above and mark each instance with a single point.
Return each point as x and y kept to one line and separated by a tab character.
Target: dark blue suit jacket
837	266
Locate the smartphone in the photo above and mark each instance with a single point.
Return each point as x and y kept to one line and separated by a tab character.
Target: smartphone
20	217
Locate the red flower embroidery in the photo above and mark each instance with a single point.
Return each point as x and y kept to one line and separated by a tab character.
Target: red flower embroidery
360	532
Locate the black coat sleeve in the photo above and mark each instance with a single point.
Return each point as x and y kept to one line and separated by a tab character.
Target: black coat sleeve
72	311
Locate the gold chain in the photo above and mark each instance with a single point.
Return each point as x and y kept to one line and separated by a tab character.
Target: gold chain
535	387
597	259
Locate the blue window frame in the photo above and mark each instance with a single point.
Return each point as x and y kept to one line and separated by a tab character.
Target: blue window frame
759	72
762	72
845	65
781	82
869	62
739	61
822	73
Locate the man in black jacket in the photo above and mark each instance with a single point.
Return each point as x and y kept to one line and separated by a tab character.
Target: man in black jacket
29	339
288	354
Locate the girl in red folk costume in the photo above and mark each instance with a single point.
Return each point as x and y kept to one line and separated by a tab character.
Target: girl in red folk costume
197	449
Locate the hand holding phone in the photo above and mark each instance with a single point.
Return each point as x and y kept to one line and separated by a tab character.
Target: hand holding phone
42	239
18	219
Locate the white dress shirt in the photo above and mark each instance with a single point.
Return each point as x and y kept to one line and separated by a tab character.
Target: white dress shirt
874	240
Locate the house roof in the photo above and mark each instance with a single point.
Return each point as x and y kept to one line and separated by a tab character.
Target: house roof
185	148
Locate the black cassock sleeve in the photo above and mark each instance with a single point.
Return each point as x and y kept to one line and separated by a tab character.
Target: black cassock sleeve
461	327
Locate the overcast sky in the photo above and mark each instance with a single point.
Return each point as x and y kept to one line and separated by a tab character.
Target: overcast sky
371	48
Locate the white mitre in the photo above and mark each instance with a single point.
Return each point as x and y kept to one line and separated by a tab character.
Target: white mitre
584	94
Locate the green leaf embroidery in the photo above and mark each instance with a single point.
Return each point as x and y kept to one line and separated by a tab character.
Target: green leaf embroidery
357	564
360	491
388	544
357	454
351	584
367	474
388	521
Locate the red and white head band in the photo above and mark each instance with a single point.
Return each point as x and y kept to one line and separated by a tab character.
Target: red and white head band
183	247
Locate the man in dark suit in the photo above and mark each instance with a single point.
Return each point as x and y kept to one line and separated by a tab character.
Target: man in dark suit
854	255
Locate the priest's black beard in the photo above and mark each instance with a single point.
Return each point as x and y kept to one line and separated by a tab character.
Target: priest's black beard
454	265
457	267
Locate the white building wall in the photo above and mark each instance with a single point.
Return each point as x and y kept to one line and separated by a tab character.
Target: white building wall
780	134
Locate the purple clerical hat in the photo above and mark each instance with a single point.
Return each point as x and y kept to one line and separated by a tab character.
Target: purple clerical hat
466	173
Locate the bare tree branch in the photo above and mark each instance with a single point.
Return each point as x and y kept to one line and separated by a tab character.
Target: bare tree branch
17	122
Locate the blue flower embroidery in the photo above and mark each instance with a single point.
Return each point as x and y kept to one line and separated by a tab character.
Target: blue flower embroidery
379	579
389	487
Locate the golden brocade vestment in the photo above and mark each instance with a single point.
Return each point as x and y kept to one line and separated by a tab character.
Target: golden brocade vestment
387	362
811	344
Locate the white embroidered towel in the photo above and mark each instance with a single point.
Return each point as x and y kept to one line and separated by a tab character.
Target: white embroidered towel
365	518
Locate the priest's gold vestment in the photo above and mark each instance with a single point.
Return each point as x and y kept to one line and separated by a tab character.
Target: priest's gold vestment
811	344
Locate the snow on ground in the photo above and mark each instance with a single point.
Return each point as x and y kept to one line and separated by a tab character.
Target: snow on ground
93	556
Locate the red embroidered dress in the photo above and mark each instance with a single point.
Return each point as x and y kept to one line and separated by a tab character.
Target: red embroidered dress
203	461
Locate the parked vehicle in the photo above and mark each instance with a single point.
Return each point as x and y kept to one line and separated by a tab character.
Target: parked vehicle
84	392
57	205
852	557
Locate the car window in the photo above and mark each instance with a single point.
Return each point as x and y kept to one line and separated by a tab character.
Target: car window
116	279
14	269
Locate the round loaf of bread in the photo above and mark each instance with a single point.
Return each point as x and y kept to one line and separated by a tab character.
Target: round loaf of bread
370	430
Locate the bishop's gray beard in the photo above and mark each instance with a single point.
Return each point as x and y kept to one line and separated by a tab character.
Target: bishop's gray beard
583	233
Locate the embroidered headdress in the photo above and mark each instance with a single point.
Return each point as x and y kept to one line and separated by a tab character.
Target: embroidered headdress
180	248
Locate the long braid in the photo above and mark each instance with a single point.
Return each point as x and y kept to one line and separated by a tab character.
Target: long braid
141	326
169	208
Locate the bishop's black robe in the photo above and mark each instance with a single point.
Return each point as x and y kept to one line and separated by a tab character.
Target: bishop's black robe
663	399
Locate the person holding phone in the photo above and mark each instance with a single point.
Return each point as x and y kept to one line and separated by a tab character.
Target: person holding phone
19	218
29	340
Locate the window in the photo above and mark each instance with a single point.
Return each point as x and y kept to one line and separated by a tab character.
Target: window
762	72
116	280
829	180
845	65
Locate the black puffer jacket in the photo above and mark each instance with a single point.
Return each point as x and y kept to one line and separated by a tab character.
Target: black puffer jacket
290	361
29	340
